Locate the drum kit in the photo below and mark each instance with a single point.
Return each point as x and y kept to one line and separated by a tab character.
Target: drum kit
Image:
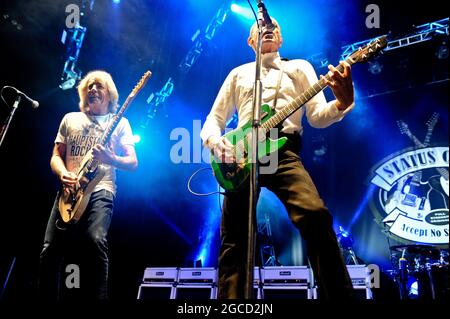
421	271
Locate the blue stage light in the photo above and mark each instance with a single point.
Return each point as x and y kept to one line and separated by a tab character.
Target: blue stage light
243	11
136	138
210	228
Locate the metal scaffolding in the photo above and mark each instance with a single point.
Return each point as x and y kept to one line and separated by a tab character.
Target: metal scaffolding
71	74
267	250
200	40
156	100
422	33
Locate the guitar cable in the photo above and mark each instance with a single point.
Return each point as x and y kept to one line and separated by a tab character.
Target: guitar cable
200	194
1	94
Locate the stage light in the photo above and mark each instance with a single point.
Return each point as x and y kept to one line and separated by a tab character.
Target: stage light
244	12
207	233
344	238
66	85
201	257
116	1
136	138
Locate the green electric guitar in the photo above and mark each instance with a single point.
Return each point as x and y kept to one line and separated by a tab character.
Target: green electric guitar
231	176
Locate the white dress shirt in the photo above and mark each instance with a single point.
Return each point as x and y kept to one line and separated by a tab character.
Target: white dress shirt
237	90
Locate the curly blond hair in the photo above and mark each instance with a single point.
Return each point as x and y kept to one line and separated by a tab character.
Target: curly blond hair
105	78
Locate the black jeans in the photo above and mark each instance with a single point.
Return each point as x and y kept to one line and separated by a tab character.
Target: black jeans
296	190
88	238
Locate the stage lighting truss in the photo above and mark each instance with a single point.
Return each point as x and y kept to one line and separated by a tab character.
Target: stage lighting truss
424	32
73	39
156	100
201	39
267	250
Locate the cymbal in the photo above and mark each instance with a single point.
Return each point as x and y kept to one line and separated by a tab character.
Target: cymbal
419	249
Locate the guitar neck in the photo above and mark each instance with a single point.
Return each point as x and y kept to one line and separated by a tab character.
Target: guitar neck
298	102
92	164
430	127
415	140
113	124
427	139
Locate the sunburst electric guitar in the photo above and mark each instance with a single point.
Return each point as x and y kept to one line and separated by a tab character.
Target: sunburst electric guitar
231	176
73	201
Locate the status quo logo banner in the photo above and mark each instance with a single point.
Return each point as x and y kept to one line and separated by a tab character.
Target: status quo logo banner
411	195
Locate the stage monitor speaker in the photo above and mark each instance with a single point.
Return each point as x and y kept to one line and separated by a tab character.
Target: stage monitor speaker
287	275
287	282
196	284
155	291
286	292
359	274
160	275
195	292
206	275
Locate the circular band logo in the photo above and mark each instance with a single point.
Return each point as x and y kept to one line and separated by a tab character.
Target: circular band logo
410	198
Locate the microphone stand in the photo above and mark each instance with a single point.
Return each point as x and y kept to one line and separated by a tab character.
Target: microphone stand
5	126
254	173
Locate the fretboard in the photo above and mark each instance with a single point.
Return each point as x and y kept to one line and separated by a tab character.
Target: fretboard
110	129
299	101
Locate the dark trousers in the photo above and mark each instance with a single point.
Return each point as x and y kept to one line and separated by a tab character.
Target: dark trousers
295	188
88	240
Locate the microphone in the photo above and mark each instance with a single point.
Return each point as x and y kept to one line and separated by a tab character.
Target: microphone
34	103
264	16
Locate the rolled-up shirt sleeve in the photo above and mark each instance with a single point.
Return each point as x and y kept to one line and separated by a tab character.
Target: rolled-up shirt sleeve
319	112
221	111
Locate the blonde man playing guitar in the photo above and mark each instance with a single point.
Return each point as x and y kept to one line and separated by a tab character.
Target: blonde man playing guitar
76	143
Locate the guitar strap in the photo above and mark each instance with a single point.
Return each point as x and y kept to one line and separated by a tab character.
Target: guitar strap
101	126
278	85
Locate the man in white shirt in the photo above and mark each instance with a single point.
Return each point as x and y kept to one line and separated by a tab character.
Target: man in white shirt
78	134
282	81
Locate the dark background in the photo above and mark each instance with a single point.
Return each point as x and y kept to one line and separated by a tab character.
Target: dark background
157	222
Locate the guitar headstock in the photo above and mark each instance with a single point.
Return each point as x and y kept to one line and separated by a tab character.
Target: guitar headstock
432	121
404	129
366	52
141	83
